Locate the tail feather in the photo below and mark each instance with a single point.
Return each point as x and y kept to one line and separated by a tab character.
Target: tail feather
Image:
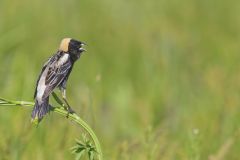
40	109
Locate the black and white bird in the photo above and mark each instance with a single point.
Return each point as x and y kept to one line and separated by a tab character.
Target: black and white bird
55	73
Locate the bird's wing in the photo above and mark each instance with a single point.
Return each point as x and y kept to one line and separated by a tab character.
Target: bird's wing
44	67
56	73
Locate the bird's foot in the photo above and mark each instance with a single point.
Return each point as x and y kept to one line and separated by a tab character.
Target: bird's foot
69	111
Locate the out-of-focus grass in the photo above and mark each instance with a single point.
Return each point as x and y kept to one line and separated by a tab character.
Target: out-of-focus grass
160	79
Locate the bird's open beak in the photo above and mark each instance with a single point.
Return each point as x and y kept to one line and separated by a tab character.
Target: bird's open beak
82	49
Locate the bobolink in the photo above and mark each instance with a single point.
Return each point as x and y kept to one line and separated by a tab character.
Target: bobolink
55	73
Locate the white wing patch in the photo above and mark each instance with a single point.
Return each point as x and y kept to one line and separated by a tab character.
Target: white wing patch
41	85
62	60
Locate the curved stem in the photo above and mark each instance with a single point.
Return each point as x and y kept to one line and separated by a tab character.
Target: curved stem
61	111
79	121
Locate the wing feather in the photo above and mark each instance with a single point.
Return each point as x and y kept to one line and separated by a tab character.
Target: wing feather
44	67
56	74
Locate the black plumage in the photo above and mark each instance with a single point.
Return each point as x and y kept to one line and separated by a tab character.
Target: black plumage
55	73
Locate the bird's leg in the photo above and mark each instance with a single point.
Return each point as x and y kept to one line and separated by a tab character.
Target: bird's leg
68	107
59	101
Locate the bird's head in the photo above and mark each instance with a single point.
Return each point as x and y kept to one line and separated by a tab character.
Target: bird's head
72	47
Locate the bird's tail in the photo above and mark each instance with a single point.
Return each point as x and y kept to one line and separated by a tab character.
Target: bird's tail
40	109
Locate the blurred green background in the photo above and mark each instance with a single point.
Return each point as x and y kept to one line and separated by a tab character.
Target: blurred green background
160	80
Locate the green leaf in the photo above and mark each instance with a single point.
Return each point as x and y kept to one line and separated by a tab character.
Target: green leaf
84	146
79	155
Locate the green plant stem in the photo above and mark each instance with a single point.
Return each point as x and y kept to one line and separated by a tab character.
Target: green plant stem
60	110
79	121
